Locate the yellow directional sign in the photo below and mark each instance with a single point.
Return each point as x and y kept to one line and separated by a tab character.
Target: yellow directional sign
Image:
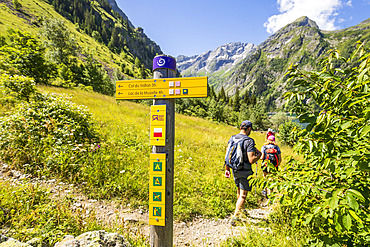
158	125
184	87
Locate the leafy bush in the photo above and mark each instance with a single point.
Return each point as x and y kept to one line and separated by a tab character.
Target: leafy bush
288	132
16	88
328	192
44	130
23	54
278	119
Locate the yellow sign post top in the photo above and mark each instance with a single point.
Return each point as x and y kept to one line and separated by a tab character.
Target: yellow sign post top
183	87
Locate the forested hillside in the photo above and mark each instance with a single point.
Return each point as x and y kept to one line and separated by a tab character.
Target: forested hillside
98	19
80	43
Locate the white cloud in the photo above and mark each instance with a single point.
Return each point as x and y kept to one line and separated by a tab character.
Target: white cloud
323	12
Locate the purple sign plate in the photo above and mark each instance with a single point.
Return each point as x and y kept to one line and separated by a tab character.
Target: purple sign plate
164	62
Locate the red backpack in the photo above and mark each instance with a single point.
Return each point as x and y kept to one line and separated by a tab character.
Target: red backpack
272	155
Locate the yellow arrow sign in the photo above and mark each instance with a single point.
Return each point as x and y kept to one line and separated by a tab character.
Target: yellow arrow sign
184	87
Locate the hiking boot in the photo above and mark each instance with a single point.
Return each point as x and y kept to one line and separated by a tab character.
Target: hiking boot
234	220
245	212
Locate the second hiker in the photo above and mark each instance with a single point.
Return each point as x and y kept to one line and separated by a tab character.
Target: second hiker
270	154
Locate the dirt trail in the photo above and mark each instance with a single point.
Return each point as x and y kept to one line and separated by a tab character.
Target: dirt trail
199	232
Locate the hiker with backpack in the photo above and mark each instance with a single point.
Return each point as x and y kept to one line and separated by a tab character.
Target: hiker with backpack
270	154
241	153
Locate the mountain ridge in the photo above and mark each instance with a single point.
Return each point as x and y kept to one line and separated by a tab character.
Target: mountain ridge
116	8
219	61
301	42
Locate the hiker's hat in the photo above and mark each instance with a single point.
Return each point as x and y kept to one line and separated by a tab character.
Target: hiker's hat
271	138
246	124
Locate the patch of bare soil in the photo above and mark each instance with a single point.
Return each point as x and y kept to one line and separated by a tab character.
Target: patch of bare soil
199	232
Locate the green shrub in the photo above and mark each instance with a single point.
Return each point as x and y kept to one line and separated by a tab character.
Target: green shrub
16	88
23	54
288	133
46	133
328	192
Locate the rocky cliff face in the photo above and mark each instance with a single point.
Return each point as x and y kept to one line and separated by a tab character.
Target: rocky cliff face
224	57
115	7
215	63
139	43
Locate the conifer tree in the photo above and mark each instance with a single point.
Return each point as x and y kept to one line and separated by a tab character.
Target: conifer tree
246	97
236	102
17	4
222	95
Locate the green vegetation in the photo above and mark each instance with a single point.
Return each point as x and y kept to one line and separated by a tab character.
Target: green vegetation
288	132
83	23
23	54
328	191
224	109
109	152
29	212
114	31
55	62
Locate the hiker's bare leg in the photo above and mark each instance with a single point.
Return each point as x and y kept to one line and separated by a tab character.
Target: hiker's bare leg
242	195
266	189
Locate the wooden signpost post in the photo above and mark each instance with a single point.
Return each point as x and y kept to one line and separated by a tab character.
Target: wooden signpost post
164	89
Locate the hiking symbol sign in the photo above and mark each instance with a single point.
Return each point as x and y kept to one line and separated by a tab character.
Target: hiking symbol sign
157	185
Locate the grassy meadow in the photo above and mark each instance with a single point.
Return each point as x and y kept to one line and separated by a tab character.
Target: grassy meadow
119	168
116	168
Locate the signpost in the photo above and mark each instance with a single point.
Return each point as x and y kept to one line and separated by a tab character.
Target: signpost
163	89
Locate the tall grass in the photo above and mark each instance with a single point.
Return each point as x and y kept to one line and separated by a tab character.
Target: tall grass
118	169
28	211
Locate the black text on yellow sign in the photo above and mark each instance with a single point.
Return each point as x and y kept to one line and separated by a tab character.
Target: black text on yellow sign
164	88
158	125
157	186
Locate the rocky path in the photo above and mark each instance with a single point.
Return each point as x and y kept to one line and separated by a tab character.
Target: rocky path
199	232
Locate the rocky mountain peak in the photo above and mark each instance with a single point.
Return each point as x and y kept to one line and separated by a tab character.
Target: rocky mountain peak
304	21
222	58
115	7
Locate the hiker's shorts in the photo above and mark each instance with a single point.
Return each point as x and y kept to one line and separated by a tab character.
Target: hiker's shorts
242	181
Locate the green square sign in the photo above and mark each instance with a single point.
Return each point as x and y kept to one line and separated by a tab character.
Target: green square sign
157	166
157	181
157	211
157	196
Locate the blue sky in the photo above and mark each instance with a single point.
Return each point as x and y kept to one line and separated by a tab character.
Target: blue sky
191	27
